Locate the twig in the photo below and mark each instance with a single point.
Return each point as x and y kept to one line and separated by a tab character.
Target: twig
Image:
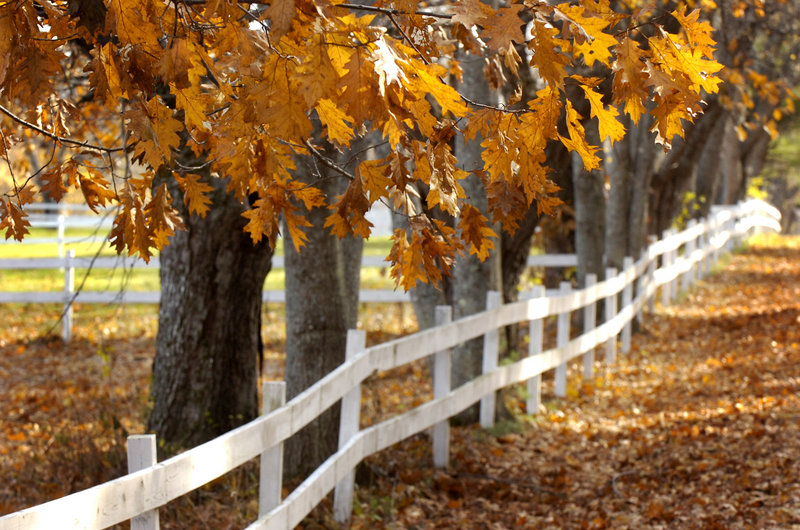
56	137
614	482
327	162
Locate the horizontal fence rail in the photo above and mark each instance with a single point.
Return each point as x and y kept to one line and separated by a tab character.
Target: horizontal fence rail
677	257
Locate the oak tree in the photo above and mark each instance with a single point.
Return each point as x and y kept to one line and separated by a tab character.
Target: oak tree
179	111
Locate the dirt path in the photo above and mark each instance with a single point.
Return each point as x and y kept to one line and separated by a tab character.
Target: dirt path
698	427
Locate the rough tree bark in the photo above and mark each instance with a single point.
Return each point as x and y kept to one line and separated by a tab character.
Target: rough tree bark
590	214
322	284
209	325
472	278
629	165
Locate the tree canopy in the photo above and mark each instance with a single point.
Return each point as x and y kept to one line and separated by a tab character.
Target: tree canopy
118	86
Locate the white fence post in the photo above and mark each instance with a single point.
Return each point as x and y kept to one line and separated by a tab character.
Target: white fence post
348	427
141	455
611	312
562	338
688	277
271	469
673	259
69	289
666	262
535	339
60	231
441	387
589	323
627	300
490	353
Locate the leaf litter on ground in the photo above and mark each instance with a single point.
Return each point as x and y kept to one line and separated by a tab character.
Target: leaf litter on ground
697	427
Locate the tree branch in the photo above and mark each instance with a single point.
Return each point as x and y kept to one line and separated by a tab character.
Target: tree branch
56	137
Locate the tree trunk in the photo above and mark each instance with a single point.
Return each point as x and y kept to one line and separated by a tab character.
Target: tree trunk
629	164
209	325
590	212
322	284
472	278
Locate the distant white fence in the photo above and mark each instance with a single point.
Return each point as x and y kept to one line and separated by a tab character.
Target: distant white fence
679	257
67	264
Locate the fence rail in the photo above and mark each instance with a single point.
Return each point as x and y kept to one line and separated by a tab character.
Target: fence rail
678	256
70	265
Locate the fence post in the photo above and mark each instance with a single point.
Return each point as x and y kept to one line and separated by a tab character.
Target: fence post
688	277
562	338
60	230
69	289
651	278
673	285
490	352
141	455
535	338
611	312
589	323
271	469
702	244
348	427
443	314
666	257
627	300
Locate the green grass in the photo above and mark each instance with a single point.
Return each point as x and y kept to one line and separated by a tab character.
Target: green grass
136	279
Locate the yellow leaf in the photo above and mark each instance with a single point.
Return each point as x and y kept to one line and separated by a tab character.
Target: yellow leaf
577	140
194	192
281	13
335	121
608	124
475	231
373	174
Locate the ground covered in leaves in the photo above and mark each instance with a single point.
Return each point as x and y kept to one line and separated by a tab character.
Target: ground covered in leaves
697	427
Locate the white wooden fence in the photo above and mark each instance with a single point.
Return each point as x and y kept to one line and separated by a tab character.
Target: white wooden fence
677	257
68	266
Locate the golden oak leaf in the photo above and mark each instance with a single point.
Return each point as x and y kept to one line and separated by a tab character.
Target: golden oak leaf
577	140
548	53
503	27
137	26
95	188
262	220
193	103
475	231
317	75
629	78
155	131
507	204
108	77
608	124
335	121
373	174
161	218
668	113
593	44
349	211
181	64
427	80
281	13
13	219
682	59
129	229
52	183
699	34
470	12
195	192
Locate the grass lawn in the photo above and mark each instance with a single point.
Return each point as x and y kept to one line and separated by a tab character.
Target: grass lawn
126	276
